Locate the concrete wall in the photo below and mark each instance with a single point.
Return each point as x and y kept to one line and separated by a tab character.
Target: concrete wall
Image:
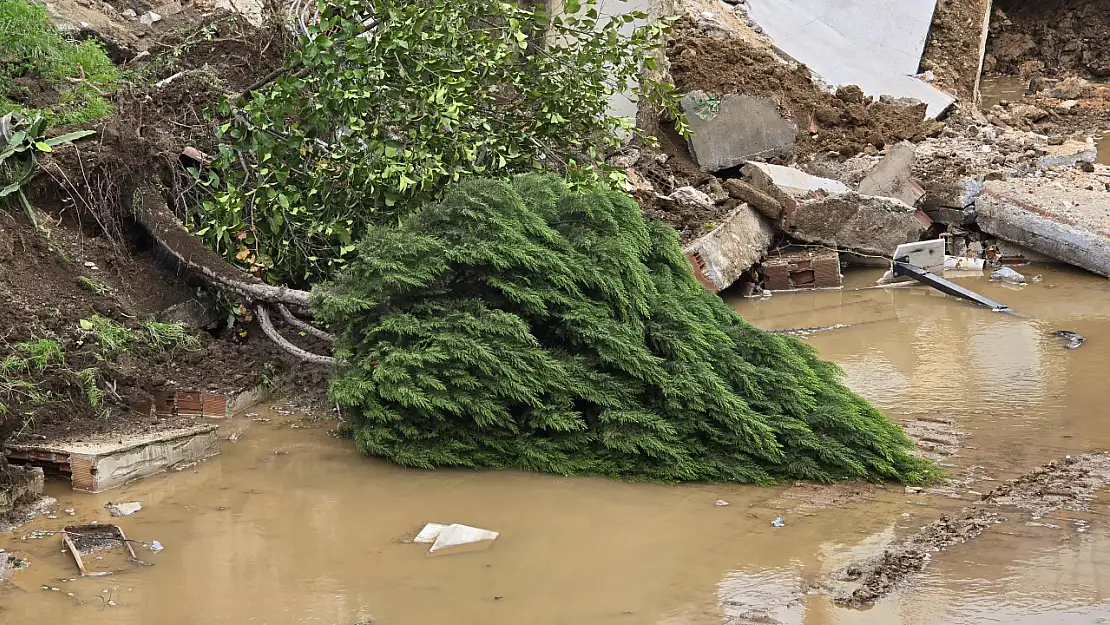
894	30
100	472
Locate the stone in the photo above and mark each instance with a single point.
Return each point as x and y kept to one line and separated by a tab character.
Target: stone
691	196
23	485
150	17
735	129
720	257
198	313
1028	113
130	14
893	176
767	206
124	508
170	8
863	224
787	185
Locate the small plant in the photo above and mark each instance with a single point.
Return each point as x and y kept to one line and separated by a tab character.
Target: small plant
41	352
21	138
112	336
167	336
92	286
90	384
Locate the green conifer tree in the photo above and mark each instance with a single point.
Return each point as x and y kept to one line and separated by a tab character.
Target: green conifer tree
524	324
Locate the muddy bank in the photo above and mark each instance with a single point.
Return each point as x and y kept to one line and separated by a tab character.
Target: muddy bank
1068	483
92	261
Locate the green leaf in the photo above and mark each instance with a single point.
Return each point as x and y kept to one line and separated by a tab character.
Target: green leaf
42	146
69	137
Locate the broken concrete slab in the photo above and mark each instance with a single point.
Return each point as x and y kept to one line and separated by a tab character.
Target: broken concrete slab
863	224
722	256
99	464
767	205
788	186
896	31
1069	222
733	129
893	176
837	60
123	508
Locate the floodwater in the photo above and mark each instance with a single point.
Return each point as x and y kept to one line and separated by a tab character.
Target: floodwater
315	533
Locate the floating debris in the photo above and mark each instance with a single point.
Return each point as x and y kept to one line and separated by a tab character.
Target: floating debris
126	508
1074	339
778	522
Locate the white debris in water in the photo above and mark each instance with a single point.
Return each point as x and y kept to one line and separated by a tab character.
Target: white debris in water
123	509
454	535
721	503
156	546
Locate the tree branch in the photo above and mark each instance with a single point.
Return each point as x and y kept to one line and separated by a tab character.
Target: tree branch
190	251
270	331
307	328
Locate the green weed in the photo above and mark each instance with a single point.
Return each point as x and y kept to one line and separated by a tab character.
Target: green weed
93	286
41	352
90	384
167	336
112	336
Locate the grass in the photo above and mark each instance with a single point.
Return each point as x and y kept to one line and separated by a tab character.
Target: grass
112	336
92	286
166	336
81	72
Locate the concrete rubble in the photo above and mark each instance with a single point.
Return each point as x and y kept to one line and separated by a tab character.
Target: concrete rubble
864	224
733	129
893	176
722	256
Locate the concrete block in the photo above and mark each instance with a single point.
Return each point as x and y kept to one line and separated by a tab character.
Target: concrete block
722	256
767	205
838	60
788	186
859	223
24	484
893	176
731	130
1028	214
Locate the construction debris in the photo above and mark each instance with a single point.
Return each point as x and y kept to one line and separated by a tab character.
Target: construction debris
731	130
84	540
944	286
809	268
720	257
893	176
124	508
1074	340
864	224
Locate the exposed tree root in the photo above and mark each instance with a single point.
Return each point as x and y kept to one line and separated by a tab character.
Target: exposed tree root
276	337
307	328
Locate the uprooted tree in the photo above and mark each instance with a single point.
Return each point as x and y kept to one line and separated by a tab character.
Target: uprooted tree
529	325
541	324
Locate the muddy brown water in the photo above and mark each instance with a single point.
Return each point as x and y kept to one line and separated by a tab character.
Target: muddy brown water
315	534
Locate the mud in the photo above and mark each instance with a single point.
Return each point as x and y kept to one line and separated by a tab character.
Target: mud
1067	483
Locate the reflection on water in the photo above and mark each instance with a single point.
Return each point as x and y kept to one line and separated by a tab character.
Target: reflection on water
316	534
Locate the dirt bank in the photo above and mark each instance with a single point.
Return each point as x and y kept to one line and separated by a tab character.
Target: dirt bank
847	122
1049	37
1068	483
92	262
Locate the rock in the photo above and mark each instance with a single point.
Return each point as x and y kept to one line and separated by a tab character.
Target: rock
722	256
130	14
1027	113
767	206
170	8
199	313
787	185
721	503
865	224
1071	88
123	509
150	17
913	490
691	196
1067	105
893	176
715	191
626	159
732	130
